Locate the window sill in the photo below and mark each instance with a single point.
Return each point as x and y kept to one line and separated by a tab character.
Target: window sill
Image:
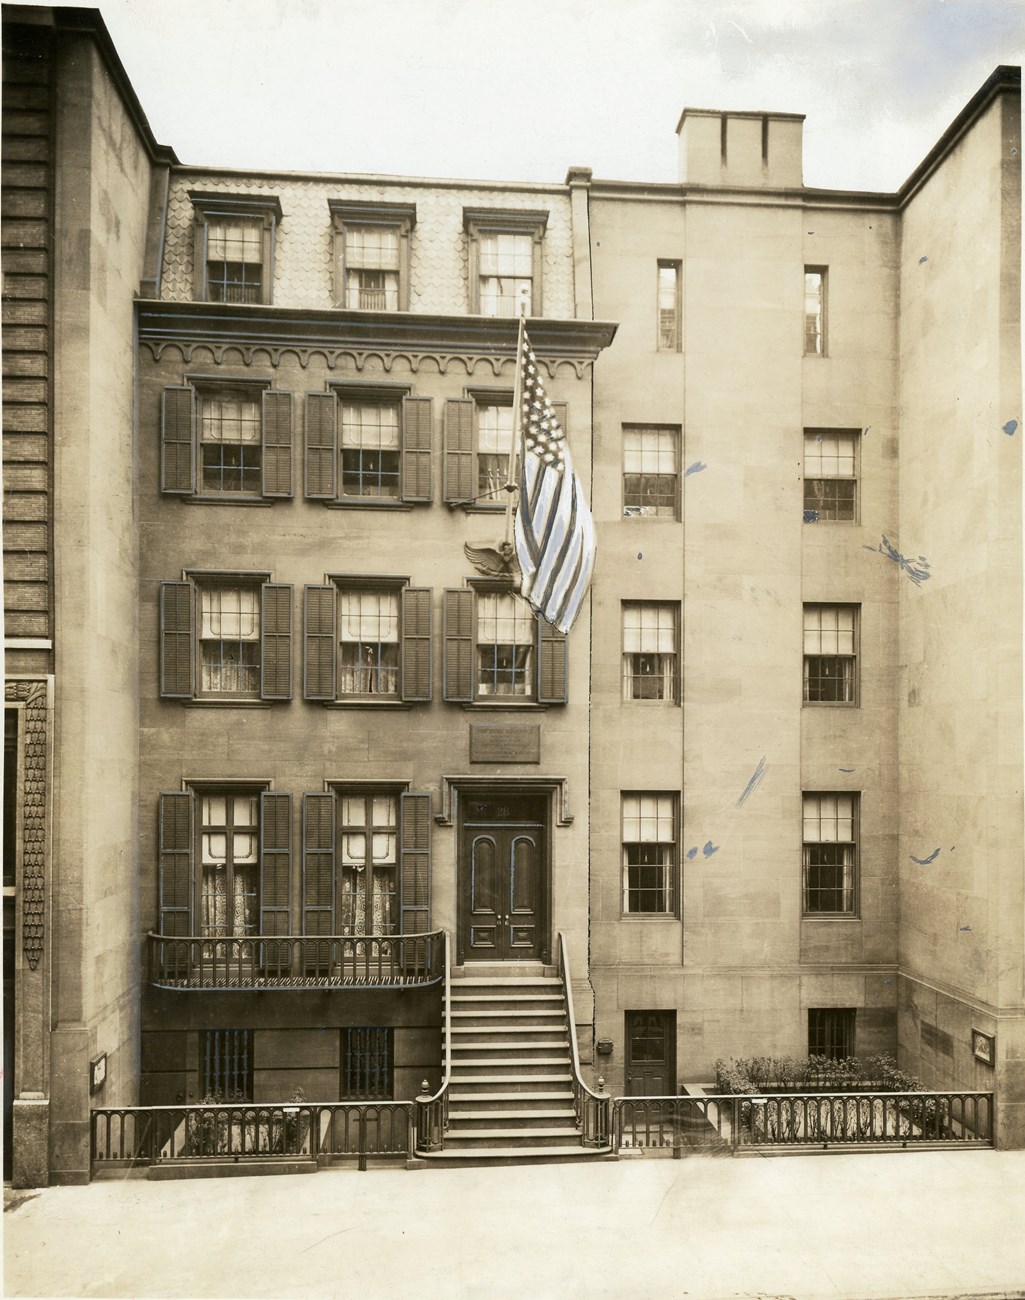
831	704
232	704
649	918
396	706
210	499
368	503
662	704
830	916
506	706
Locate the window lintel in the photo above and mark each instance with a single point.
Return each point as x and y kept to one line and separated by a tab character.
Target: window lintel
368	581
519	221
223	575
355	390
267	207
345	212
208	383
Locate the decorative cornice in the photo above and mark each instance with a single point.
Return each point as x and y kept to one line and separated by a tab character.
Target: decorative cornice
373	210
266	334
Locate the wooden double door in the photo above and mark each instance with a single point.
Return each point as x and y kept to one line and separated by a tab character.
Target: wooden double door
503	877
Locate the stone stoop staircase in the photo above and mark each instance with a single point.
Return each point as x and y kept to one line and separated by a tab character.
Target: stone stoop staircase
511	1088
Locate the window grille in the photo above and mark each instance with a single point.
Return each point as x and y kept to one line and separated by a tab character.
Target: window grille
227	1067
649	651
831	1032
367	1070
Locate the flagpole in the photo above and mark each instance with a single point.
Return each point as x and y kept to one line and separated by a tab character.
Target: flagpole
515	448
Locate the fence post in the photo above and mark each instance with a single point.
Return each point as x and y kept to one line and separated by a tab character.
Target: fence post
423	1114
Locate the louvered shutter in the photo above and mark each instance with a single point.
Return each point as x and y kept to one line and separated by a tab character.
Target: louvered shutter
175	835
277	444
459	478
177	641
415	873
178	440
417	434
276	641
458	647
321	445
551	664
275	879
416	643
319	864
319	658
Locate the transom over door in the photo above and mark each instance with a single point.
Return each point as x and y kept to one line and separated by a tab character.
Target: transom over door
503	879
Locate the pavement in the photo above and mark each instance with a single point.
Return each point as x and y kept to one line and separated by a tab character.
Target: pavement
863	1226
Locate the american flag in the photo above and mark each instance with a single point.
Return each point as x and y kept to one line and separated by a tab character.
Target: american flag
553	530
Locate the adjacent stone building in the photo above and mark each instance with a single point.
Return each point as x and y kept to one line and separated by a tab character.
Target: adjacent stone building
273	706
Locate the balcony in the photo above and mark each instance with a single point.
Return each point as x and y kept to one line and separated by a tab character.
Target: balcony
197	962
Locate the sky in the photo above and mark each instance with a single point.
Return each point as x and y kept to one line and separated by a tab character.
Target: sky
525	89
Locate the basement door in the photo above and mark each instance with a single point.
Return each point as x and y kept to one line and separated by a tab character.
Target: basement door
651	1053
503	877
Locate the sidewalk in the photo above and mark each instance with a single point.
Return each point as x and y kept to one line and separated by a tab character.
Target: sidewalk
900	1224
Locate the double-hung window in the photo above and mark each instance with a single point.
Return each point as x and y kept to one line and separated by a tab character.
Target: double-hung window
830	474
814	311
225	637
497	651
372	248
830	854
226	441
234	246
650	650
651	475
229	856
368	445
367	641
479	446
504	260
368	860
831	654
650	853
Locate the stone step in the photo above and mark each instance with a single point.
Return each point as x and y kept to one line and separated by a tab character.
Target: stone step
473	1030
512	1119
513	1137
467	1157
515	1077
461	1097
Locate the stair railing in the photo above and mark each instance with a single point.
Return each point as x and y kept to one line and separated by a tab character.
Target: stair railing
592	1110
432	1109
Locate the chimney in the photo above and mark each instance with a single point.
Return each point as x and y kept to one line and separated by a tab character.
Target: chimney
751	150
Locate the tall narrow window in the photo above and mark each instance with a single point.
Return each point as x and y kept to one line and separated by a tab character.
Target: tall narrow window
815	311
230	863
830	854
668	306
234	260
831	1032
231	441
651	480
830	474
229	641
369	642
370	450
649	853
494	447
830	654
650	663
368	902
506	633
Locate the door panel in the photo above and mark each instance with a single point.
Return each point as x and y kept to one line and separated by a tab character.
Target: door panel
503	878
650	1053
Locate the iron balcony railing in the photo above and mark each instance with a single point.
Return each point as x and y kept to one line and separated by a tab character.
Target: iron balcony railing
817	1119
432	1108
244	1131
295	961
592	1110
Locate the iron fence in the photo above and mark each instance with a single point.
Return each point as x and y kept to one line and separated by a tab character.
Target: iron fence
321	1131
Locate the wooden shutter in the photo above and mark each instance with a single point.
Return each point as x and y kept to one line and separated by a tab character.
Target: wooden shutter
459	477
551	664
175	835
319	863
276	641
177	641
458	644
321	445
417	460
277	444
416	643
319	657
275	876
415	872
178	440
